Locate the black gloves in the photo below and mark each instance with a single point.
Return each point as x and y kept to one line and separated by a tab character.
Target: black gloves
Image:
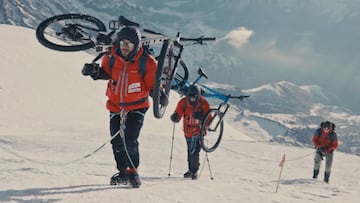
198	116
95	72
91	69
175	117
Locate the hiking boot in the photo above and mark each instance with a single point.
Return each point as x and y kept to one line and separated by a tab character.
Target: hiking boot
187	174
134	179
326	177
194	176
191	175
316	173
119	179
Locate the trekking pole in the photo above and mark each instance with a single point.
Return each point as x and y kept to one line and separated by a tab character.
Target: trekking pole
172	146
207	159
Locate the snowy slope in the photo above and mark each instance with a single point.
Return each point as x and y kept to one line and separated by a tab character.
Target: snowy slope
51	116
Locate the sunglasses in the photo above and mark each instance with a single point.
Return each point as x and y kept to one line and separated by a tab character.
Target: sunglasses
326	129
128	44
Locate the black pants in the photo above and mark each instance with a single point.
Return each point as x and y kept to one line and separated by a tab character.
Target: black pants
193	151
133	125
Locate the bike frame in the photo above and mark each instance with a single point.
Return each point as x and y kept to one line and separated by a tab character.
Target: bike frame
223	106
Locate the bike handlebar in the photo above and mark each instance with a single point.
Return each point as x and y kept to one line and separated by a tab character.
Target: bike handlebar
241	97
200	40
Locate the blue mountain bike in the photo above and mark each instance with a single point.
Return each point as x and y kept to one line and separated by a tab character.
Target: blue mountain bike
77	32
213	123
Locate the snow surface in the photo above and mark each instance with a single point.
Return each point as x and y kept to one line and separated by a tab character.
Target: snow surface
52	117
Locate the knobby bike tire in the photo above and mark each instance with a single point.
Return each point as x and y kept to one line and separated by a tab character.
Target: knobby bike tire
211	130
180	77
48	41
163	77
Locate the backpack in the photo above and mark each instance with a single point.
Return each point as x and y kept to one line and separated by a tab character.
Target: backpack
142	61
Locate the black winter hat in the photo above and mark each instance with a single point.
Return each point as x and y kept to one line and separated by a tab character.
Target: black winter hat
326	124
130	33
193	91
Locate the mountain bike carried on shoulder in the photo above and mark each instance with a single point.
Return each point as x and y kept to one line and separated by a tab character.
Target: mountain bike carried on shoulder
77	32
212	125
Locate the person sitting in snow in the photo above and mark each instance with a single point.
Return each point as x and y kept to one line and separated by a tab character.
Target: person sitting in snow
325	142
193	109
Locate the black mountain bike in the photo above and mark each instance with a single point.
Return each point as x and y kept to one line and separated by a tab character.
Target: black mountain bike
76	32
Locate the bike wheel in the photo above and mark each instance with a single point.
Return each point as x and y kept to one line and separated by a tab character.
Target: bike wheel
211	130
69	32
163	78
181	75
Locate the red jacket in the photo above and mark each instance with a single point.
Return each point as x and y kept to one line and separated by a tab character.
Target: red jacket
328	141
126	88
185	110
